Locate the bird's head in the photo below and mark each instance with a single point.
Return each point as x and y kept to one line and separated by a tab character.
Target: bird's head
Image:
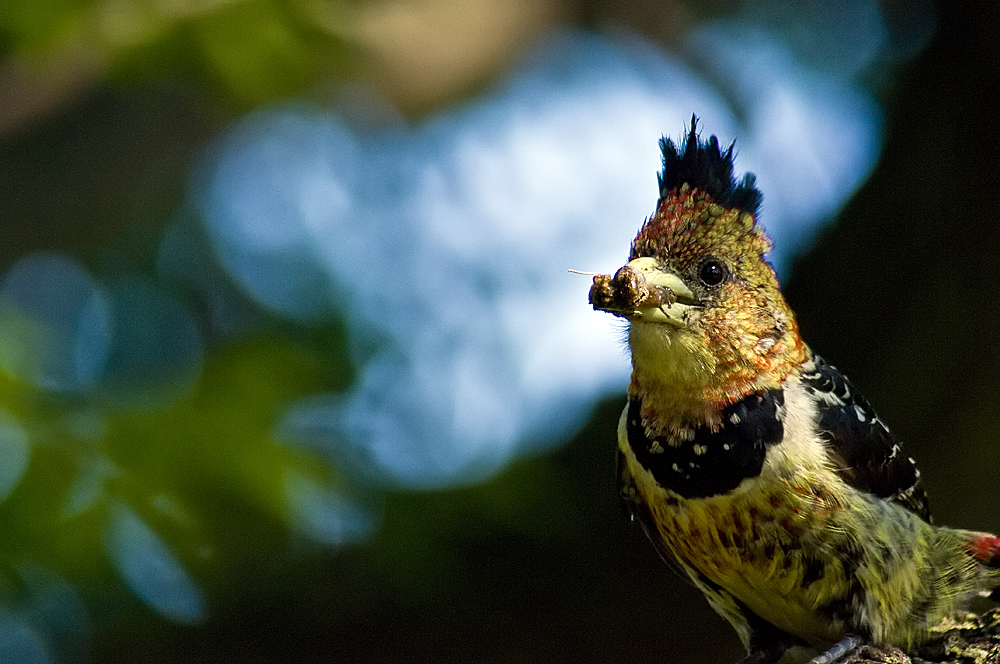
707	321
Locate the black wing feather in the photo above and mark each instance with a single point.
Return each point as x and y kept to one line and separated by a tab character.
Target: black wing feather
869	457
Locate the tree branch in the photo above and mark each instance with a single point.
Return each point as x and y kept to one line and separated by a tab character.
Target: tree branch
972	640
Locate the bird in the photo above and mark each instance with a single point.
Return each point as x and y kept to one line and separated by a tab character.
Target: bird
752	464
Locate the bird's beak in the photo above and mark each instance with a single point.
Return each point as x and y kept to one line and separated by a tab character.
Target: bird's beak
643	291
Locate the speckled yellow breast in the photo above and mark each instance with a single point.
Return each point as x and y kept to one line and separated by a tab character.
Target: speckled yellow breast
772	543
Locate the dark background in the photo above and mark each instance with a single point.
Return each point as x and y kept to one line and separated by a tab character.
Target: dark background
540	563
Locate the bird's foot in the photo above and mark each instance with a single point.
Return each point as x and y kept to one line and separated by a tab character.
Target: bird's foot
837	651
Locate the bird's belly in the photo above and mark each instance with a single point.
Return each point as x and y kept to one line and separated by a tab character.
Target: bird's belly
773	548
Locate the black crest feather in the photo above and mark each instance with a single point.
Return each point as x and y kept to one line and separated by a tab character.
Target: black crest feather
703	165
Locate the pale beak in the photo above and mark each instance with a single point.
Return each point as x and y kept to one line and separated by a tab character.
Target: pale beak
643	291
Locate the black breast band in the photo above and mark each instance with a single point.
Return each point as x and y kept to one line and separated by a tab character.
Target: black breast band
711	463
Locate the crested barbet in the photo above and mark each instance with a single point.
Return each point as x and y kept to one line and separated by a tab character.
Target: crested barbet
753	464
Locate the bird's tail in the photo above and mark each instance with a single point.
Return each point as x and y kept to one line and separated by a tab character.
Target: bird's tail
986	548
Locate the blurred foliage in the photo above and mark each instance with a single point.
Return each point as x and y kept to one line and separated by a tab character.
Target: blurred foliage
537	563
250	50
200	470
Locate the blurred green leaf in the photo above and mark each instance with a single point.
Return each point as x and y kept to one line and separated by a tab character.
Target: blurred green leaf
247	51
14	454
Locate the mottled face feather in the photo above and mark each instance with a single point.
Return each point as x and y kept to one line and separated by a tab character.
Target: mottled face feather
689	225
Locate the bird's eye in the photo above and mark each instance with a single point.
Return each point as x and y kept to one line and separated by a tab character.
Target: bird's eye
712	272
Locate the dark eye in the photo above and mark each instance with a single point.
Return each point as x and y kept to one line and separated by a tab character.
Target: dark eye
712	272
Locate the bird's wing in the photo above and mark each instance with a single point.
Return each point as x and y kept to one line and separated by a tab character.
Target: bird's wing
868	456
